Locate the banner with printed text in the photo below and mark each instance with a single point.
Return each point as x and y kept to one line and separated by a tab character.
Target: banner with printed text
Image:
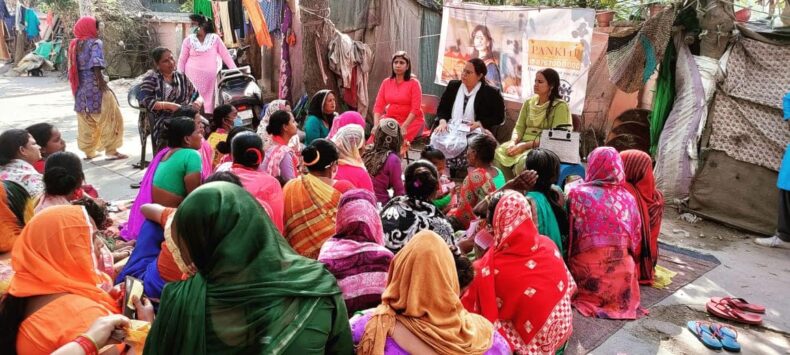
515	43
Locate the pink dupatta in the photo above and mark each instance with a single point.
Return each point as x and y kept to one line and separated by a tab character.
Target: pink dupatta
131	228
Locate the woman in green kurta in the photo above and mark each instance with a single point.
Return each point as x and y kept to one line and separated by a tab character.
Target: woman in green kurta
549	199
251	294
544	110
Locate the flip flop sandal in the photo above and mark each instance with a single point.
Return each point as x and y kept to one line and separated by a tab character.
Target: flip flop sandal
727	336
702	331
739	303
117	156
723	310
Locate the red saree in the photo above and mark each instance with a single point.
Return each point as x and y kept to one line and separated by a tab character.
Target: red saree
521	284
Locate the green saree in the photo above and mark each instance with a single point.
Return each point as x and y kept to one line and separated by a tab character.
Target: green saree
252	294
547	220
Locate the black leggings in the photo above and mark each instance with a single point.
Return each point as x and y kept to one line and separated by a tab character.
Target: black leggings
783	228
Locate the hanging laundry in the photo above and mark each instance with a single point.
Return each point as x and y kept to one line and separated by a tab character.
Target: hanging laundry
31	24
255	13
20	17
285	55
351	61
215	10
227	28
273	12
4	53
237	19
203	7
6	17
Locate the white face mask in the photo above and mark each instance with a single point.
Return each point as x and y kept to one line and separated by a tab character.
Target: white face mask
193	30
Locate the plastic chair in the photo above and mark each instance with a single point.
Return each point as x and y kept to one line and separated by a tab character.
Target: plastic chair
143	128
429	105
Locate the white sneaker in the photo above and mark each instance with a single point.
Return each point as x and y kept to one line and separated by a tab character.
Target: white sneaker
772	242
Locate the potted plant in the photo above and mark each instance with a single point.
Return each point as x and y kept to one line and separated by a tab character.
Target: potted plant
604	11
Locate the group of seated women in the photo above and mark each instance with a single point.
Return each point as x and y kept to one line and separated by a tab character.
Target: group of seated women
332	247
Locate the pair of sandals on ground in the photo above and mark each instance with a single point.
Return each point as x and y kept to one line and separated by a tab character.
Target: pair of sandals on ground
116	156
718	336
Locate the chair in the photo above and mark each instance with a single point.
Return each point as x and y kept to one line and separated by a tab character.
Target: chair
429	105
143	128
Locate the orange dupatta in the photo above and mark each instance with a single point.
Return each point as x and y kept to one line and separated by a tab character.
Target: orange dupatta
255	12
422	295
54	254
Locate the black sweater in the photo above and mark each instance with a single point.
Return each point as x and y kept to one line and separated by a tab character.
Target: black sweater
489	105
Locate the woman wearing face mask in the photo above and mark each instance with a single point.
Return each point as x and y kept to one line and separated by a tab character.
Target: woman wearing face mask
200	55
545	110
400	97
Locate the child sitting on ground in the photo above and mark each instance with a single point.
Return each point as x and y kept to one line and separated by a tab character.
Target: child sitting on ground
446	186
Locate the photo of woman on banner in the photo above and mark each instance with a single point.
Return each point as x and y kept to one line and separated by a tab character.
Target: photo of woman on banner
510	65
483	44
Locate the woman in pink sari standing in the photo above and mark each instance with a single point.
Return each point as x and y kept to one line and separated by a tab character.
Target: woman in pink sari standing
200	54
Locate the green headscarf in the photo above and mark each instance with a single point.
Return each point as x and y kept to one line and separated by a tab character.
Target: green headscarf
17	199
252	292
547	220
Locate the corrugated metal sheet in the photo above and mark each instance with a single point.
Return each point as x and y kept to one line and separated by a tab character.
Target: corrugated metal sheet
429	51
399	30
349	15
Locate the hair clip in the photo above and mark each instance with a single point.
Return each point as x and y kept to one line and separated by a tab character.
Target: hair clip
317	158
257	154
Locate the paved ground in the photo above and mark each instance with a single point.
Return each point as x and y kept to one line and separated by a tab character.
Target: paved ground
760	275
28	100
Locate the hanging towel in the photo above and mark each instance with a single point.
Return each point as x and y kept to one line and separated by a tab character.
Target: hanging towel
227	29
32	23
217	18
255	13
273	13
4	53
237	19
203	7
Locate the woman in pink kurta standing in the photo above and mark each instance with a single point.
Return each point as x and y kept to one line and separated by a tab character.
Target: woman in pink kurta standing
400	97
199	61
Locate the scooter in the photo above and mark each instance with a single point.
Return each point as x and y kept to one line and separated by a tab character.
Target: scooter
239	88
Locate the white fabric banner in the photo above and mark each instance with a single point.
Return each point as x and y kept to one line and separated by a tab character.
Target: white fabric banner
515	43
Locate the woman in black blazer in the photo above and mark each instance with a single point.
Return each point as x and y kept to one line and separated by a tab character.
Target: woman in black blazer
468	106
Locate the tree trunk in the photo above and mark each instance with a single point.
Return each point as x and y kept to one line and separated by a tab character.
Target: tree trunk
86	7
317	30
717	24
